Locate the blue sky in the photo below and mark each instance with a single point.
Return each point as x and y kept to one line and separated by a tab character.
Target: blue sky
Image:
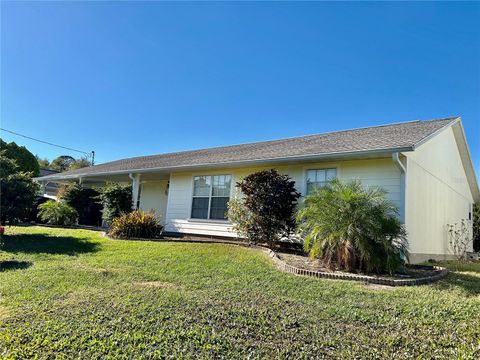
128	79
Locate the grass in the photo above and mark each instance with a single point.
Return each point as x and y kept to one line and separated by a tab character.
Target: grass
84	296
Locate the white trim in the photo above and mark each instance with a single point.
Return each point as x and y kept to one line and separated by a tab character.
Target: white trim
208	221
319	156
192	189
325	167
466	157
53	197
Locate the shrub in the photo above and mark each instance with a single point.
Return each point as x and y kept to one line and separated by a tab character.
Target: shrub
269	200
136	224
476	227
459	238
57	213
116	200
84	201
353	228
2	231
240	217
17	191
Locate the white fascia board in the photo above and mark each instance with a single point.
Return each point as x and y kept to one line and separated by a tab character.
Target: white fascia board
467	162
324	156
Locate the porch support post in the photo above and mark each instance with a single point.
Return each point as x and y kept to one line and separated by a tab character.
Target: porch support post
135	189
42	187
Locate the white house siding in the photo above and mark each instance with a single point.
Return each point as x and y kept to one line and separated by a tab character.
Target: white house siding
372	172
437	194
153	196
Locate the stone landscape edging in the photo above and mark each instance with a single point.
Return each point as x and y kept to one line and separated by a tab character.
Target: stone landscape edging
282	265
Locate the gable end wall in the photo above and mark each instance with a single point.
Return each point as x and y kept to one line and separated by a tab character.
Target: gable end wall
437	193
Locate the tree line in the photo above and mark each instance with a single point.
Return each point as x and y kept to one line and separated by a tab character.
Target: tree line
27	162
18	190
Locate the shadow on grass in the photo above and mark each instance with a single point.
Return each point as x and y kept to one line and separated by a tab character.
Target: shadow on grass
466	282
44	243
14	265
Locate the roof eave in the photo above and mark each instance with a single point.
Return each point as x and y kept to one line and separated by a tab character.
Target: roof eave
324	156
435	133
466	158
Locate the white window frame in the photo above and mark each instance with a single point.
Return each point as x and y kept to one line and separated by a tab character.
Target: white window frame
317	169
210	196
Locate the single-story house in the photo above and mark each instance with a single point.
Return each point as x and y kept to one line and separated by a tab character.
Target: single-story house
425	167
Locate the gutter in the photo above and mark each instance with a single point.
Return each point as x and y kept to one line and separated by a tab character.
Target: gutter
232	163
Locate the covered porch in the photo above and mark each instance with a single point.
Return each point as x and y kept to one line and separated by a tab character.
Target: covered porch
149	189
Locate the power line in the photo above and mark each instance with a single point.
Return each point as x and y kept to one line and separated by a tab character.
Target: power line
46	142
88	154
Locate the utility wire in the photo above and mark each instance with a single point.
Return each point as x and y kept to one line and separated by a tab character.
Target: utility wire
48	143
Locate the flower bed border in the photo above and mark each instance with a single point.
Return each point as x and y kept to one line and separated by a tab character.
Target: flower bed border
441	272
282	265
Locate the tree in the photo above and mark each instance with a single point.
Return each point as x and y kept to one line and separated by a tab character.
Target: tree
270	200
43	163
351	227
23	158
17	191
84	201
65	163
62	163
80	163
116	200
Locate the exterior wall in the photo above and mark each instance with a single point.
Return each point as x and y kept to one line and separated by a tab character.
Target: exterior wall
437	194
153	196
372	172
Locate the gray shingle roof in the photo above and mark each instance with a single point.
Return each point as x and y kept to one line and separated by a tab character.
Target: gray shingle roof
400	136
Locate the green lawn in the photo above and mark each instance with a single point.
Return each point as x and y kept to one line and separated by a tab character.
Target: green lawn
79	295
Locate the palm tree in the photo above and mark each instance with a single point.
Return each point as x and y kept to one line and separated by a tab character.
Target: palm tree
352	227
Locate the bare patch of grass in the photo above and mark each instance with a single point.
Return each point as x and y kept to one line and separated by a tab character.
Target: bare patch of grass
379	287
4	312
156	284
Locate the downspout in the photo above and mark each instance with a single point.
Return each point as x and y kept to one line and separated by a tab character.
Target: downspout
403	173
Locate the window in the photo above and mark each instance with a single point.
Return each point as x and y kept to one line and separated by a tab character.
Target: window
210	196
319	178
